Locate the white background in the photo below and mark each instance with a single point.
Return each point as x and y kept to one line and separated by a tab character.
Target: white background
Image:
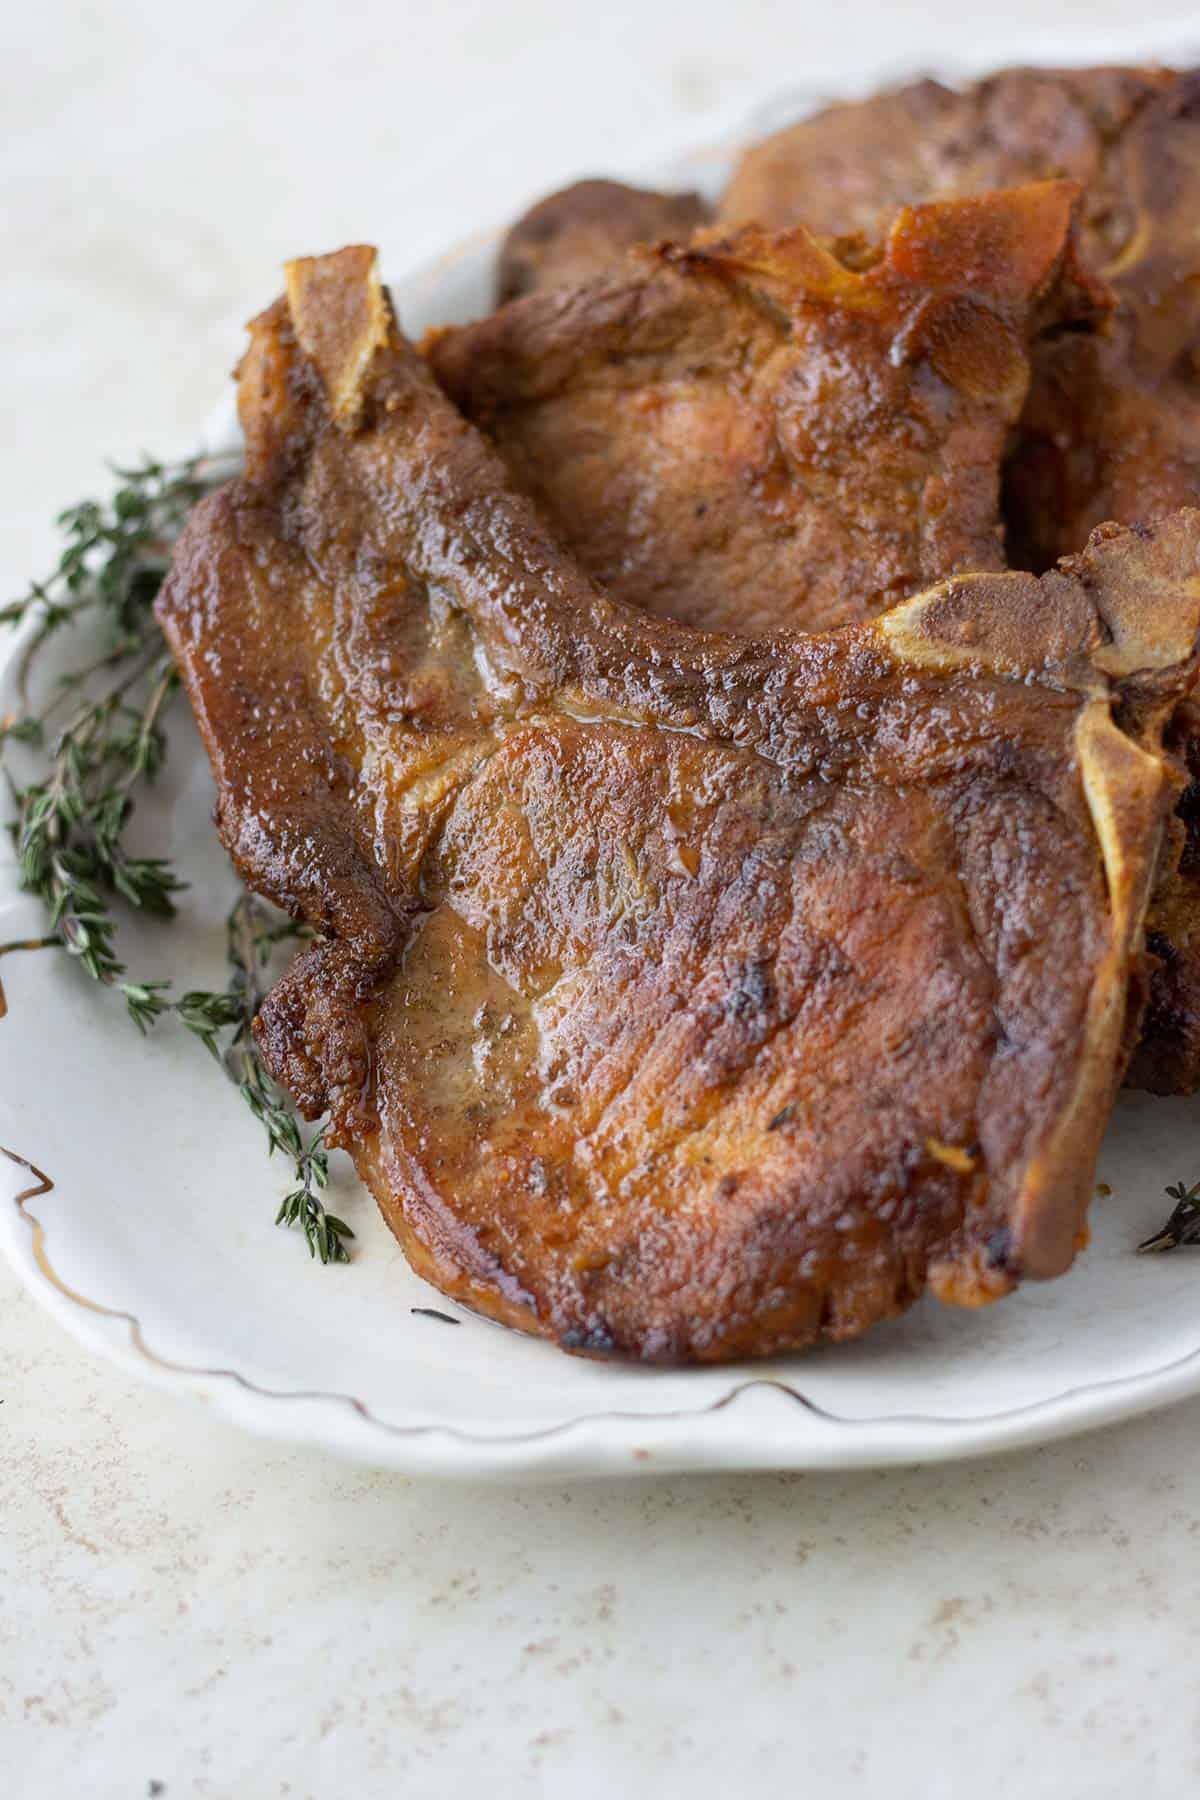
181	1605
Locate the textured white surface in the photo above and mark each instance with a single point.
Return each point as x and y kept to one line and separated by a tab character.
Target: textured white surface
181	1605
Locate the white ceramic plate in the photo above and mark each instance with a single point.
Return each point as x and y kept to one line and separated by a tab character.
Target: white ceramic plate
150	1236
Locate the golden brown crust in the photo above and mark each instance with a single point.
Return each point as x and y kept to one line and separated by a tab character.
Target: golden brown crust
683	997
584	230
851	166
1112	429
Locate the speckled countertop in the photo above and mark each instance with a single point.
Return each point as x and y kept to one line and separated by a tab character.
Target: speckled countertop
185	1611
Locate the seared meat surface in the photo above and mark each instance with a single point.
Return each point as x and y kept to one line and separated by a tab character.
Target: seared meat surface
852	166
585	230
679	996
762	433
1111	428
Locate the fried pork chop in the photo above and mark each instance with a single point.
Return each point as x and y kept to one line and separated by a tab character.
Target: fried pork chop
1111	428
679	996
585	229
851	166
761	434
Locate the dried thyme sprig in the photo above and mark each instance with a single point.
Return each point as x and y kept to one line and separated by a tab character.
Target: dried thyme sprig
1183	1226
99	738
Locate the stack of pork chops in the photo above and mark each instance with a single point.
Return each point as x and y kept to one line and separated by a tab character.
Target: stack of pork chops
727	716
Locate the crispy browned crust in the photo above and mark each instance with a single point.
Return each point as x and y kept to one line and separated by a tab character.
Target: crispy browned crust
851	166
1111	428
761	433
584	230
678	996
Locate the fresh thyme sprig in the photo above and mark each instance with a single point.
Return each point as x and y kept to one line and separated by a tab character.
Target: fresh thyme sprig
101	729
99	738
253	933
1183	1226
